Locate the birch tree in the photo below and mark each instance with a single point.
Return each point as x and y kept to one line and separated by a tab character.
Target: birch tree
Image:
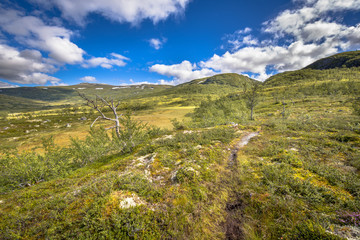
251	96
99	104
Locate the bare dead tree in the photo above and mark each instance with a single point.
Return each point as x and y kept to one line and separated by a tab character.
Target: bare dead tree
251	96
99	104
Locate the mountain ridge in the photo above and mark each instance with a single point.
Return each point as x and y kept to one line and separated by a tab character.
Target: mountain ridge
339	60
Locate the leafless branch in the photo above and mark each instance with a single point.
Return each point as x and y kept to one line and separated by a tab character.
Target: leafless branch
110	128
95	121
98	105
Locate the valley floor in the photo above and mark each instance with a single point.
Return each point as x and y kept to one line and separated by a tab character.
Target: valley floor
295	177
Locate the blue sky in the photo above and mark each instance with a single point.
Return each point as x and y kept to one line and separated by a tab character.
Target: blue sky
65	42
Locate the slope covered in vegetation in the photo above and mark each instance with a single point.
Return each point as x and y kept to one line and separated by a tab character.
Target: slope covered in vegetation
296	178
218	84
341	60
330	70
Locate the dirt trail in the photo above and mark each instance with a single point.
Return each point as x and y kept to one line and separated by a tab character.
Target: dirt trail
242	143
233	224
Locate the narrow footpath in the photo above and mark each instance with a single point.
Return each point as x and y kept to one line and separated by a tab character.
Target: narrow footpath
233	224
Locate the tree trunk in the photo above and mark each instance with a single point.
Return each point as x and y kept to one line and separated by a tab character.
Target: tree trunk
117	128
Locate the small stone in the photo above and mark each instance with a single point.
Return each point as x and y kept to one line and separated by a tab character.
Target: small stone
173	176
68	125
127	203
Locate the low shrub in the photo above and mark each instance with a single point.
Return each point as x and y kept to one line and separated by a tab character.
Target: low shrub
20	169
310	230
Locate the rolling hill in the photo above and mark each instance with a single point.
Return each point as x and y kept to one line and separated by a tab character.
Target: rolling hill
35	98
218	84
341	60
333	69
230	79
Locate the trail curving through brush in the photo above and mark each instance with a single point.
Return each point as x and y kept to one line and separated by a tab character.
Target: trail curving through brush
242	143
233	224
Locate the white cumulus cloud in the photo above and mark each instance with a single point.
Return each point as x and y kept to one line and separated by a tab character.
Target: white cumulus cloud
132	11
182	72
280	58
24	67
157	43
114	60
308	33
7	85
33	32
88	79
29	66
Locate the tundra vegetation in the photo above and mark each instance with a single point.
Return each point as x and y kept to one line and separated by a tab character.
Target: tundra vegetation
297	179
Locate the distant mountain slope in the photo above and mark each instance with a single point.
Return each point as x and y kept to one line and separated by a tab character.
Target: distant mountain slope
40	93
312	75
69	94
341	60
217	84
342	66
18	104
231	79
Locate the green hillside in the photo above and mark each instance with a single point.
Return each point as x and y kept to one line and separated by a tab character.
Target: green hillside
19	104
40	93
36	98
218	84
341	60
306	76
230	79
342	66
292	172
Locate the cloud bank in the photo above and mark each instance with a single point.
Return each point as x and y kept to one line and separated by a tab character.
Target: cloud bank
24	67
7	85
114	60
309	32
88	79
133	11
182	72
29	66
42	47
33	32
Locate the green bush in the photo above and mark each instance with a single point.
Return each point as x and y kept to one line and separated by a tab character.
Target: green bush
222	111
132	133
20	169
356	106
178	125
310	230
96	145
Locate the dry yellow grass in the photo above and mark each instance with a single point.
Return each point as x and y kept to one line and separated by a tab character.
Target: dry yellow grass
160	117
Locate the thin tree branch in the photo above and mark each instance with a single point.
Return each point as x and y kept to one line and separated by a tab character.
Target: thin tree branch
110	127
94	121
